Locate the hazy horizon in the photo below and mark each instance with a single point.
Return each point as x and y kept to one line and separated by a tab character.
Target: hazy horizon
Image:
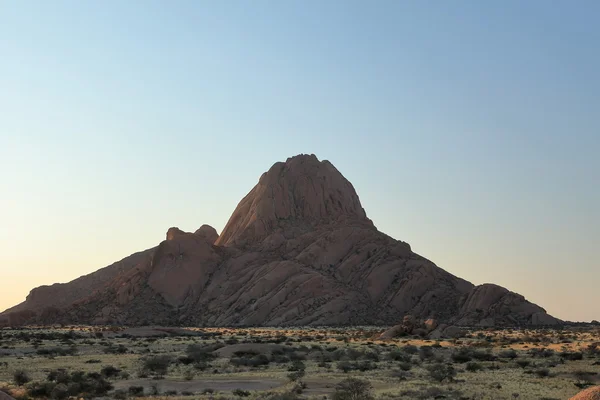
468	130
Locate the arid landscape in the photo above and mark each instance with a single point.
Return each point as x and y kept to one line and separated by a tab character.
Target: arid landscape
299	200
297	363
300	297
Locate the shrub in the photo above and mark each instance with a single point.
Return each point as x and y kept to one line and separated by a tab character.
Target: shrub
397	355
441	372
511	354
136	391
344	366
535	352
59	376
188	375
572	356
154	391
405	366
158	365
400	375
60	392
41	389
198	353
463	355
426	352
353	389
543	372
77	384
21	377
474	367
297	366
254	361
295	376
109	371
241	393
483	355
111	349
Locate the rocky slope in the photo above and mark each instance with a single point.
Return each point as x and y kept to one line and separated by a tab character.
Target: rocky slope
298	250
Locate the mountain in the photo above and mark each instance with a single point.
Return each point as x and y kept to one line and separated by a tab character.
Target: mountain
298	250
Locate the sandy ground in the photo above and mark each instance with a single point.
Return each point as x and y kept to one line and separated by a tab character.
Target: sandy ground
198	385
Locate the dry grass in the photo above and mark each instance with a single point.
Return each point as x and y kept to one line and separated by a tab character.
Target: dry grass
498	379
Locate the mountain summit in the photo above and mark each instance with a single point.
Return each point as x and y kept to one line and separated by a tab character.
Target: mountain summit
302	191
298	250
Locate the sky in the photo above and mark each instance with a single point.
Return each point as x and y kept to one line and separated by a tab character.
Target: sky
470	129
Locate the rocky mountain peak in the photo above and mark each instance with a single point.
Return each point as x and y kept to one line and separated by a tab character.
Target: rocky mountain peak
302	191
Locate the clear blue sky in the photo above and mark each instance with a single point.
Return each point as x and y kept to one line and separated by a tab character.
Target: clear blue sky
470	129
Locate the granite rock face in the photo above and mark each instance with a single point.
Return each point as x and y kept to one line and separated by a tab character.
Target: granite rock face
298	250
592	393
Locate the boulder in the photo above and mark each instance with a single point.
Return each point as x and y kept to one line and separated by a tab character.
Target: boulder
174	232
454	332
208	233
393	332
489	305
419	332
5	396
430	324
591	393
409	321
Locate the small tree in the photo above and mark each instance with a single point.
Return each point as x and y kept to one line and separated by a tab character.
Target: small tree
353	389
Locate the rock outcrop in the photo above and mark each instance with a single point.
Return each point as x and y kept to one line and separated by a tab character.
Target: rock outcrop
5	396
298	250
491	305
208	233
592	393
